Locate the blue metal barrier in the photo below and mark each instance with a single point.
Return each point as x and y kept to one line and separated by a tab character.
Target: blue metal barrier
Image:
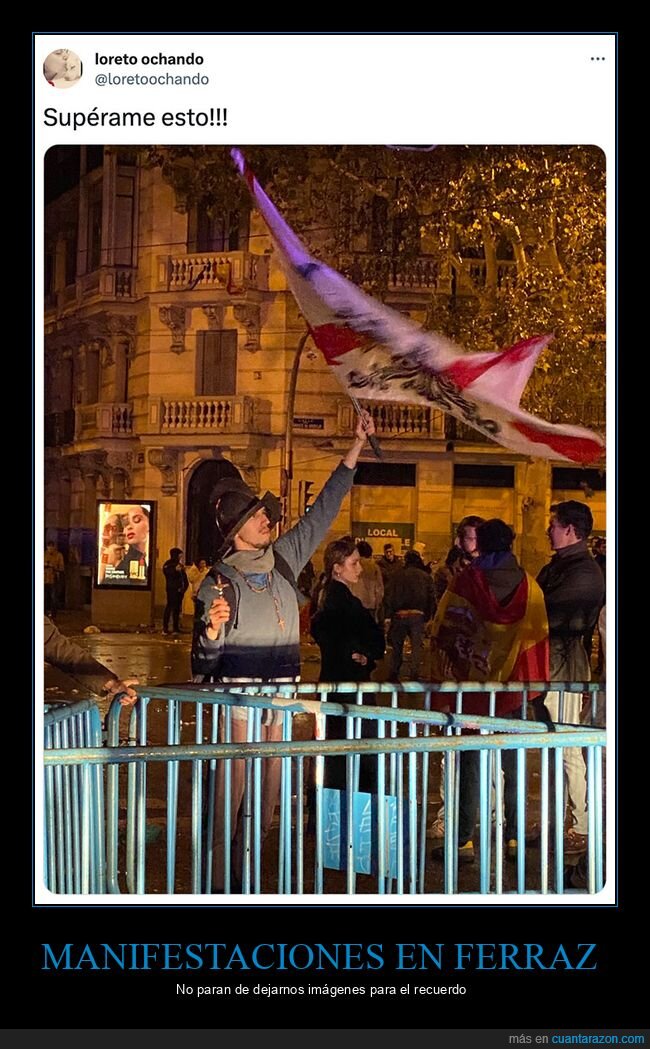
74	860
201	724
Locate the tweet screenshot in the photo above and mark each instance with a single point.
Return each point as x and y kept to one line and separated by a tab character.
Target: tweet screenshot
325	359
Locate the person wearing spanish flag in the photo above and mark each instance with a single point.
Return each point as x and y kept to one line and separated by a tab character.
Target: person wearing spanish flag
491	625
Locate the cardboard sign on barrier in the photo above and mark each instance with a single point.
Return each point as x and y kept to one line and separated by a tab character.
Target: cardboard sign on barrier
365	837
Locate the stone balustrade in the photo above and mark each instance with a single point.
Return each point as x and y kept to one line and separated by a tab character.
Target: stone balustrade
103	420
390	271
204	414
393	419
231	271
107	283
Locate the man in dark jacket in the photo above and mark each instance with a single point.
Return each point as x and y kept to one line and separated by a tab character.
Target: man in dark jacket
408	603
176	583
388	563
574	589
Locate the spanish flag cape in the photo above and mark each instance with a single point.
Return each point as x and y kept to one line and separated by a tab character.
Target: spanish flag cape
477	639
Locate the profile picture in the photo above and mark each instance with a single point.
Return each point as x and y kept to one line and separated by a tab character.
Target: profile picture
62	68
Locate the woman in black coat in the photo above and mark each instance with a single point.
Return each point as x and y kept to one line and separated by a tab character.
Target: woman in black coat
350	642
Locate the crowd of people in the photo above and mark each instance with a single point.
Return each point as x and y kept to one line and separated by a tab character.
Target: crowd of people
487	620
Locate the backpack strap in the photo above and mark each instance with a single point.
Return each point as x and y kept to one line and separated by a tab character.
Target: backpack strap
286	571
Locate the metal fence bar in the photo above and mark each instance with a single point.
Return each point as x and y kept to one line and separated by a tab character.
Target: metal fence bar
383	854
544	813
131	806
400	825
451	824
412	815
197	807
257	808
485	816
300	855
521	821
173	737
141	813
597	802
98	849
77	739
591	822
351	786
393	735
247	808
498	824
58	784
575	737
559	820
425	801
74	769
285	811
227	806
319	762
85	828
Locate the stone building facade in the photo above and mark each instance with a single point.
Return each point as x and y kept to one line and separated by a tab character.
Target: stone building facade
171	345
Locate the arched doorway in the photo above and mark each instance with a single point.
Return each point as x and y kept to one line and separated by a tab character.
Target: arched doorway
201	529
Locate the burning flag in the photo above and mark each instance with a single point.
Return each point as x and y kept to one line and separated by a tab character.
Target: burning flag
381	355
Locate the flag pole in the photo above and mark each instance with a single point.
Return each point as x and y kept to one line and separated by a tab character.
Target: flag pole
372	440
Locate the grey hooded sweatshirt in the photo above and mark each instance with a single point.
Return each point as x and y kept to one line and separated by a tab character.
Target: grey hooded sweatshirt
261	641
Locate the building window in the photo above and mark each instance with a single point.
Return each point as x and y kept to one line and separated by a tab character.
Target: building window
91	391
125	189
94	227
223	232
574	478
94	158
216	362
470	475
71	258
397	475
48	288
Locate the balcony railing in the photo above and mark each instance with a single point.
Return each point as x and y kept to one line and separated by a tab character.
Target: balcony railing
108	283
396	420
231	271
205	415
423	272
455	430
104	420
391	272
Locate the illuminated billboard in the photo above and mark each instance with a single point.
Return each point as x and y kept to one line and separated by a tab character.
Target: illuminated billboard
124	535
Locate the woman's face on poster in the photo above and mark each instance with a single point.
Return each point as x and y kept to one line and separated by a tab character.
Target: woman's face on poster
136	527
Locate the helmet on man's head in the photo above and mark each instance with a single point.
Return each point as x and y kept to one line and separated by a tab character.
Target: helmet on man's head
234	503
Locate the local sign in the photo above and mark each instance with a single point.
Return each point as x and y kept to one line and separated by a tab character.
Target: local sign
384	530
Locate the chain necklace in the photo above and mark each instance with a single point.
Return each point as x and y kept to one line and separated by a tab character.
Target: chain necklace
266	585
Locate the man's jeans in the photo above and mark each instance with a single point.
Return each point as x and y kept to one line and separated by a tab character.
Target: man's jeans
401	627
